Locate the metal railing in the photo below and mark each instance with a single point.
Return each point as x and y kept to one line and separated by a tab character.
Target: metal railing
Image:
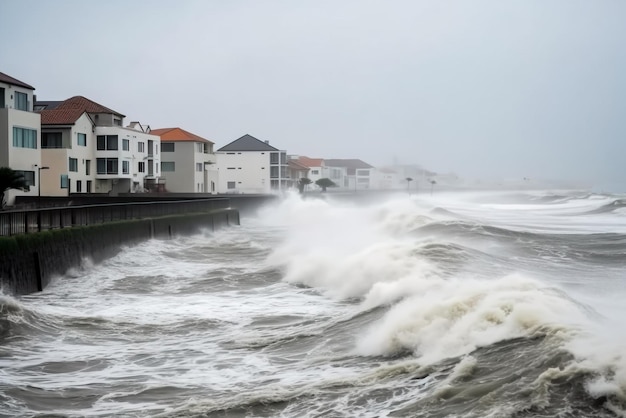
14	222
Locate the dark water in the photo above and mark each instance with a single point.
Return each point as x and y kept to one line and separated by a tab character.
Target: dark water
458	305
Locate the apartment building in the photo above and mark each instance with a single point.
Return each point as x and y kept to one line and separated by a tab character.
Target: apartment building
19	133
187	162
249	165
85	149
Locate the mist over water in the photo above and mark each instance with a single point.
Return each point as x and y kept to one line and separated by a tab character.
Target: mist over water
459	304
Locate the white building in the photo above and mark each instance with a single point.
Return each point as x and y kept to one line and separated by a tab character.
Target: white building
249	165
87	150
19	133
357	175
187	162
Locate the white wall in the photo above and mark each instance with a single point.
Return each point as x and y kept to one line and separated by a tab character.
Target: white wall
250	171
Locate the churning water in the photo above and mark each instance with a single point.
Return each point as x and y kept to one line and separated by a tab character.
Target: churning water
455	305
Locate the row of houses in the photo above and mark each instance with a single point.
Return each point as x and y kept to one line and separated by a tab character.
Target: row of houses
80	146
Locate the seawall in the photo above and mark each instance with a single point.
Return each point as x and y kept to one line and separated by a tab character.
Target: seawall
29	261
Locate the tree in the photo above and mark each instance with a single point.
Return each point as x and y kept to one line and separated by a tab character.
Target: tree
408	184
324	183
302	183
432	185
11	179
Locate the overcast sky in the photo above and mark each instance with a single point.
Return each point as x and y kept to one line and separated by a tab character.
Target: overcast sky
485	89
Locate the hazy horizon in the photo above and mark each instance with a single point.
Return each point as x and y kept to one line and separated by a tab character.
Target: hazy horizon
484	89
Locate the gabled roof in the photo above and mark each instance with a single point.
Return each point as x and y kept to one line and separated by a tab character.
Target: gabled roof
310	162
295	165
86	105
68	111
177	135
60	116
350	164
248	143
5	78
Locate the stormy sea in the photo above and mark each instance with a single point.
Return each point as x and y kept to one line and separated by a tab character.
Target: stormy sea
466	304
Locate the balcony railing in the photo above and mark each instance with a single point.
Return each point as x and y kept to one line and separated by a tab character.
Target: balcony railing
14	222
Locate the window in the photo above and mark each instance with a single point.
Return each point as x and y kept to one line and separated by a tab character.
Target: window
231	185
88	186
274	172
168	166
141	146
141	167
125	144
273	158
315	171
51	140
198	166
24	138
65	181
87	167
364	173
106	166
199	147
362	180
117	122
125	167
29	176
106	143
79	186
21	101
81	139
167	147
73	164
283	158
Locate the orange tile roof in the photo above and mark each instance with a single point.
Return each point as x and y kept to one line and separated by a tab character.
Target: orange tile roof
294	164
310	162
177	134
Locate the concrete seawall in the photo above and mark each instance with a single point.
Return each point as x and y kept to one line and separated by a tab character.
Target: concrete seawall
28	262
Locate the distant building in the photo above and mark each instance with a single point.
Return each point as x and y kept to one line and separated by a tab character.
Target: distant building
249	165
87	150
20	130
297	171
358	174
187	162
315	166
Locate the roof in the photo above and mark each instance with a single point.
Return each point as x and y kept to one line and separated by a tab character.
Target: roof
5	78
46	104
295	165
86	105
248	143
60	116
177	135
351	164
310	162
68	111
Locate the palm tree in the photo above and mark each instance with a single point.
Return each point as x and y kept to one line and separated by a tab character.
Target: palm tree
302	183
10	179
324	183
408	184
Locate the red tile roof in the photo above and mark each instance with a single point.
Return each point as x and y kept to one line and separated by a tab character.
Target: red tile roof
60	116
177	134
68	111
310	162
295	165
86	105
5	78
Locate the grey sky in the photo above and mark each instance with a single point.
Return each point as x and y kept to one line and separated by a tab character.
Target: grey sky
498	88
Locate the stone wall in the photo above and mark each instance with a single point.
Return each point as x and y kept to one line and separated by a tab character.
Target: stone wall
28	262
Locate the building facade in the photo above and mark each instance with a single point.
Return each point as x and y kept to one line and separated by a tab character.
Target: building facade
187	162
249	165
85	149
20	134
